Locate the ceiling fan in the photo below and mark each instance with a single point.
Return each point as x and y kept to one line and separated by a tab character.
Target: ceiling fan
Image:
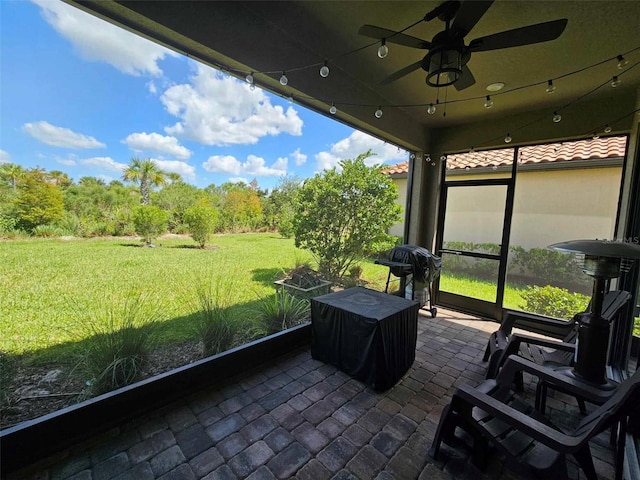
448	55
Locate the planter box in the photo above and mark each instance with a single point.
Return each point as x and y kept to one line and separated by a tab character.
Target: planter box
304	293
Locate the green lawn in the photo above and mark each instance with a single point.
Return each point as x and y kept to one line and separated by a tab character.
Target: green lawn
50	289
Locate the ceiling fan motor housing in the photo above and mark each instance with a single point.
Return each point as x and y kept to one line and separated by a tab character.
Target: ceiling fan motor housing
445	60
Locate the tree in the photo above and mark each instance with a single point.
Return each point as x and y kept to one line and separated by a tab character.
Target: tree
201	220
12	173
38	202
279	207
175	198
147	173
340	215
150	221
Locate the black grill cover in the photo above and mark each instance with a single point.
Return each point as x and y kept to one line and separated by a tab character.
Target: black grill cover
425	266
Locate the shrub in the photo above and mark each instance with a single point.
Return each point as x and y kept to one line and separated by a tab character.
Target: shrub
48	231
281	311
202	221
120	344
215	326
150	221
549	266
553	301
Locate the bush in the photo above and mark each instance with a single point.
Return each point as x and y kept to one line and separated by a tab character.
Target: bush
119	345
281	311
216	326
549	266
150	222
553	301
202	221
48	231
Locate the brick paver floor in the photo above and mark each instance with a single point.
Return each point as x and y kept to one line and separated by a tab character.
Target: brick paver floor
300	418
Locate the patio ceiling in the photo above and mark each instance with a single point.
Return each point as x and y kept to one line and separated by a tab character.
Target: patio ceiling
281	36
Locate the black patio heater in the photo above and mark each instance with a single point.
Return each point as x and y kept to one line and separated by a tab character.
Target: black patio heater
603	260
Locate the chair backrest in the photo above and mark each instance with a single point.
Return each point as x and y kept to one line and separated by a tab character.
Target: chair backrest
612	303
624	402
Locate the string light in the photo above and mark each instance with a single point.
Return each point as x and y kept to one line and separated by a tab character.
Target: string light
383	50
508	138
431	109
378	113
443	158
324	70
412	156
556	117
622	62
550	87
290	98
607	129
333	109
488	103
615	81
471	150
283	79
249	78
596	136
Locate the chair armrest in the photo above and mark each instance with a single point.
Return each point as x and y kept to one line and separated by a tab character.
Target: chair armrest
536	323
518	338
567	383
539	431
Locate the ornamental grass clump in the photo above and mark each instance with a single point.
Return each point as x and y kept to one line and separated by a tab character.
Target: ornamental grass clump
281	311
216	325
120	343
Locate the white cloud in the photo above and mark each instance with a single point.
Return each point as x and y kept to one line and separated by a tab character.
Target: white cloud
157	143
239	179
219	110
95	39
183	168
252	166
152	87
4	157
59	136
299	158
355	144
106	163
69	161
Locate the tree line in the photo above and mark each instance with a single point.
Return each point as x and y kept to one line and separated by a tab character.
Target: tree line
38	202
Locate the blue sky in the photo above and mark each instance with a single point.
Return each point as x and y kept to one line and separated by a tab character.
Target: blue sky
80	95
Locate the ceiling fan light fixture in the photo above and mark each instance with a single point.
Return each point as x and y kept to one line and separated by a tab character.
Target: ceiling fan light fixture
444	66
550	87
383	50
488	103
622	62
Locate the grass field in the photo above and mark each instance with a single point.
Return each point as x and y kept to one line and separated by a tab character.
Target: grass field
52	289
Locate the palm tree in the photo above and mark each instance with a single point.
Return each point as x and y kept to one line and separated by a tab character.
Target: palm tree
147	173
12	173
174	177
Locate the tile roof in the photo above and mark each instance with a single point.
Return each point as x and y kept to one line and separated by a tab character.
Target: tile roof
601	148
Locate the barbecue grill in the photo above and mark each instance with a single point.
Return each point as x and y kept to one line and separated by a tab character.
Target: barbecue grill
412	264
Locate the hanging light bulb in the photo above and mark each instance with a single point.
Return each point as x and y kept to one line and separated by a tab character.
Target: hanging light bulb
550	87
607	129
249	78
252	87
333	109
508	138
495	167
596	136
443	158
412	156
283	79
489	102
431	109
472	150
383	50
378	113
622	62
556	117
615	81
290	98
324	70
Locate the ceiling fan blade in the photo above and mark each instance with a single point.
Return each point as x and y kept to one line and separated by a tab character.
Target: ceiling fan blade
465	80
401	73
541	32
393	37
469	14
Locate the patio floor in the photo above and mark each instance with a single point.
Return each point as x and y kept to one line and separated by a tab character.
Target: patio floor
300	418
